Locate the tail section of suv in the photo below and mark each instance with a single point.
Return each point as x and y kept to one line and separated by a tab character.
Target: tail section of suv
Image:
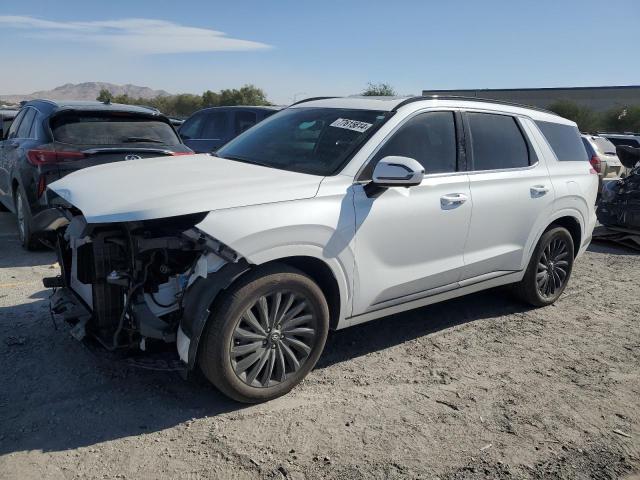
330	213
48	140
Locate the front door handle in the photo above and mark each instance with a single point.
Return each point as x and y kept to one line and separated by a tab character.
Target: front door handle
539	190
452	200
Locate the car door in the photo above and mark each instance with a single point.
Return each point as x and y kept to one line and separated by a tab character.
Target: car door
7	152
512	194
409	242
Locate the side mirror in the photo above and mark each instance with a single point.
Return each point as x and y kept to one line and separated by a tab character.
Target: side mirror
395	171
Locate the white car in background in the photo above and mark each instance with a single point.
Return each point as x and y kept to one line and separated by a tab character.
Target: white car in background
330	213
603	157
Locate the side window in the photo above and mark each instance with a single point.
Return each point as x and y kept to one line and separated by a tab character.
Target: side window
191	128
25	125
13	130
564	140
429	138
588	147
215	125
496	142
244	121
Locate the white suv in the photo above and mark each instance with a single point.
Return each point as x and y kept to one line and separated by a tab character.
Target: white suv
330	213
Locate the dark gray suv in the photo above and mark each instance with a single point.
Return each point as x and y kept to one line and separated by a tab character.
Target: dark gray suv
48	140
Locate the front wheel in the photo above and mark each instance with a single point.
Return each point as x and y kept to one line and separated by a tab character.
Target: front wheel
549	268
266	334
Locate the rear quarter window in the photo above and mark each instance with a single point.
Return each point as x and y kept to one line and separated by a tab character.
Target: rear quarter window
565	141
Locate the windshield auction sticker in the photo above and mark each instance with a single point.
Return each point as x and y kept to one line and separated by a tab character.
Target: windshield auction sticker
351	125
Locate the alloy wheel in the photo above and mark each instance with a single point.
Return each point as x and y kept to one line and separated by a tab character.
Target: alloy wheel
273	338
553	268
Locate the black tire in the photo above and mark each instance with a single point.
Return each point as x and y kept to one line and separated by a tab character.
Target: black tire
23	220
220	337
558	273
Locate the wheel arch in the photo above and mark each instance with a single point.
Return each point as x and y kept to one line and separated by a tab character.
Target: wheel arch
572	224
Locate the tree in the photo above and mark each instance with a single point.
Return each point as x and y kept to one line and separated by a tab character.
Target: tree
625	119
587	119
379	90
104	96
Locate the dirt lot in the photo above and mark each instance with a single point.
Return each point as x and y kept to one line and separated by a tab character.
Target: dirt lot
480	387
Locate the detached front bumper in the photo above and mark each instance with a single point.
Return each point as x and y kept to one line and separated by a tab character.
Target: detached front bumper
49	220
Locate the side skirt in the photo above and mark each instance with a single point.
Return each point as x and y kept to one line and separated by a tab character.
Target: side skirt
466	287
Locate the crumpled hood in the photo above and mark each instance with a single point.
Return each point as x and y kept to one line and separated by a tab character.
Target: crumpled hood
169	186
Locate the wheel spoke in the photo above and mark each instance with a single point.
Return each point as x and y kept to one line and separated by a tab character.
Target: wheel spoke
294	322
238	350
275	306
302	332
288	353
263	312
257	368
281	365
268	372
290	298
298	345
246	335
294	311
246	362
251	319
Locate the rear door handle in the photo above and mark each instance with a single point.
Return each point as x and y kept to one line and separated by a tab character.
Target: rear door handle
539	190
452	200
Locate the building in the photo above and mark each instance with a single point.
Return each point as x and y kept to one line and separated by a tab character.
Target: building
599	99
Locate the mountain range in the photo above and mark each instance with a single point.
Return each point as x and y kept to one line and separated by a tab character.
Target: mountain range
85	91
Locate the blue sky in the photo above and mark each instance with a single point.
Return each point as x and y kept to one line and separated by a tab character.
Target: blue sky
297	48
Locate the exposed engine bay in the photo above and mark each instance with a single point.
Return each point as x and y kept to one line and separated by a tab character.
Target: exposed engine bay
125	284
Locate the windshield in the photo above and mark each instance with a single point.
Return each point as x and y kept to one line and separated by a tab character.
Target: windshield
308	140
111	129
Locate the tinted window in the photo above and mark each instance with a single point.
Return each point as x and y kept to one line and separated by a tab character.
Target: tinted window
192	127
308	140
590	151
429	138
497	142
625	141
244	121
25	125
215	125
110	129
564	140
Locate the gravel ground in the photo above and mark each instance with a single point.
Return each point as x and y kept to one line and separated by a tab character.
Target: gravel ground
479	387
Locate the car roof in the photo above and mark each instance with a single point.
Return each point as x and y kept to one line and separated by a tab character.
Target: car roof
50	106
417	103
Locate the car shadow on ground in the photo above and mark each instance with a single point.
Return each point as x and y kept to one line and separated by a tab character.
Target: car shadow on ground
60	394
606	246
12	254
396	329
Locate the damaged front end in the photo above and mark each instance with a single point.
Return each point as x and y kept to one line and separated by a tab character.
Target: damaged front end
134	283
619	204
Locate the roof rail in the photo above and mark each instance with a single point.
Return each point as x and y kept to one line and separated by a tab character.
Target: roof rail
470	99
310	99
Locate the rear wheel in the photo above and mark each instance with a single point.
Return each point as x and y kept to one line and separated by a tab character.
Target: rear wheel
23	217
266	335
549	268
